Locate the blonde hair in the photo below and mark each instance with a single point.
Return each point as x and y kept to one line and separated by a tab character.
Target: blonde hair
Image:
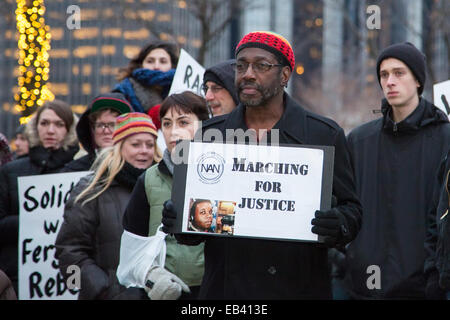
107	165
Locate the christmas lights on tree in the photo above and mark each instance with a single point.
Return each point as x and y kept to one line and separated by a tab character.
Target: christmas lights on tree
34	44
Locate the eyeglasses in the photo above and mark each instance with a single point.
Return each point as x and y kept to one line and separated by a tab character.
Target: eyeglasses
258	67
100	126
214	89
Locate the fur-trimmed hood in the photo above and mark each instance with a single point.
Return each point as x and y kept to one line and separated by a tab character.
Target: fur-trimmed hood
33	135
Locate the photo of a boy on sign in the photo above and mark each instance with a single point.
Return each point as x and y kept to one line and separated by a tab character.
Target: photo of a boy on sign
216	216
200	216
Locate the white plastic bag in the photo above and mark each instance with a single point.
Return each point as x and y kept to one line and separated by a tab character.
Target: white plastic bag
137	255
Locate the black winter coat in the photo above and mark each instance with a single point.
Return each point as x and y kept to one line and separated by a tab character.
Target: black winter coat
237	268
437	244
395	166
90	238
38	161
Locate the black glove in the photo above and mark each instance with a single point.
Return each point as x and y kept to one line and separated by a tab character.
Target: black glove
332	225
169	216
432	290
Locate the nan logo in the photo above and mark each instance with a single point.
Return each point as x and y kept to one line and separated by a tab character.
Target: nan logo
210	167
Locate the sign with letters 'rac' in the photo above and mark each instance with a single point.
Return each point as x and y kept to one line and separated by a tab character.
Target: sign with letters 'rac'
188	76
254	191
41	208
441	96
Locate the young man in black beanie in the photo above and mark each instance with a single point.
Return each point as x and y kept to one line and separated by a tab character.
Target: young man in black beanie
395	160
218	86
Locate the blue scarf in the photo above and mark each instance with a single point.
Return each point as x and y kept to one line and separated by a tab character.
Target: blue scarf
147	78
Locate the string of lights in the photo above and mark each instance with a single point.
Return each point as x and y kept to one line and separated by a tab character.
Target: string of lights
34	44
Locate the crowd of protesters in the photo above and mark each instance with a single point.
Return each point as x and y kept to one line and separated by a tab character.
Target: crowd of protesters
390	184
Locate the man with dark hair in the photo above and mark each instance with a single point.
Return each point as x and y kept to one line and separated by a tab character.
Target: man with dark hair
395	159
96	126
200	216
218	86
238	268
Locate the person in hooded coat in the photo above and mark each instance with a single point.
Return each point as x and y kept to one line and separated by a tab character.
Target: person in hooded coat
96	126
218	86
396	158
53	143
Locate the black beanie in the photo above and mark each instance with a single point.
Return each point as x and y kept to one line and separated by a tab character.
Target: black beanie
223	74
410	55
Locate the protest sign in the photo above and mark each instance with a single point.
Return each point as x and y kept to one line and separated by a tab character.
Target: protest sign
188	76
41	208
441	96
252	191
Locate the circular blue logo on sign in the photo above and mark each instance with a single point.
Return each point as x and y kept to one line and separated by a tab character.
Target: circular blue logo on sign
210	167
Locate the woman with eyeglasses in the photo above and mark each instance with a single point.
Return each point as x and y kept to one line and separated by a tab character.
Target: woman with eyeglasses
90	234
53	143
96	126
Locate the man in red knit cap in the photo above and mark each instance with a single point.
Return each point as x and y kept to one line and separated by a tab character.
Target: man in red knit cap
237	268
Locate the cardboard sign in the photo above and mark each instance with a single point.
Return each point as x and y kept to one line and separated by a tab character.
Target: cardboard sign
188	75
41	207
255	191
441	96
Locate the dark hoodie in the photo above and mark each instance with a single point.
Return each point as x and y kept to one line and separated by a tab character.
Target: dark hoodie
83	130
223	74
395	166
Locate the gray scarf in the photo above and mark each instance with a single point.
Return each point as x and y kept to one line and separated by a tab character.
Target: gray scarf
147	96
168	161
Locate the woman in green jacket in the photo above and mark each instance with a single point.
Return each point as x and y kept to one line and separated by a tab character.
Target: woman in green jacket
184	265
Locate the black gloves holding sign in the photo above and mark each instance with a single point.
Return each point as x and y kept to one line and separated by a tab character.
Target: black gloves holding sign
169	216
332	225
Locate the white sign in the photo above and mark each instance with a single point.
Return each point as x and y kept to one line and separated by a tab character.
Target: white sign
188	76
41	208
441	96
254	191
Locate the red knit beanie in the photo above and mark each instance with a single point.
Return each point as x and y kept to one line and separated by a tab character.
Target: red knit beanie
271	42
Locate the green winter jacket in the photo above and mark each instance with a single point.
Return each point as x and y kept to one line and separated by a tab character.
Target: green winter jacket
186	262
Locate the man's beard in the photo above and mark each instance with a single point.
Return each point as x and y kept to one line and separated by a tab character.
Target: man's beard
265	94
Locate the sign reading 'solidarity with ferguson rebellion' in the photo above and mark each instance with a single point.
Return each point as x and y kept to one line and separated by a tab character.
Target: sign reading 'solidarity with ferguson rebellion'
41	207
254	191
